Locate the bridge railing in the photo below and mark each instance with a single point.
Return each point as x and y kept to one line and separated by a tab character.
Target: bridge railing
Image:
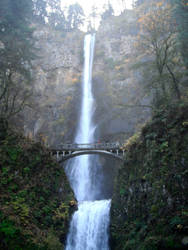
98	145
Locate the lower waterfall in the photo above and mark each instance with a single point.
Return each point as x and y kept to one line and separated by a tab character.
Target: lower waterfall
89	226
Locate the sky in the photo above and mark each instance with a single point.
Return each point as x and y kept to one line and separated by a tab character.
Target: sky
87	4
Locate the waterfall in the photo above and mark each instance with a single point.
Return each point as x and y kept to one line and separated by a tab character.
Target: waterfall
89	225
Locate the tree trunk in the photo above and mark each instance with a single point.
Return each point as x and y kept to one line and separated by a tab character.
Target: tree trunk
175	83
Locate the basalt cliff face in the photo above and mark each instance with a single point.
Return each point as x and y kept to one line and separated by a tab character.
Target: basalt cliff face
56	72
149	204
117	87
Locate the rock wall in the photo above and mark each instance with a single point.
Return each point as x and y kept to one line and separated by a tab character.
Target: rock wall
117	88
149	205
56	72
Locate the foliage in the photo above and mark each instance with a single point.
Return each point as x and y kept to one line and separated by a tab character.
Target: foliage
180	14
43	10
17	46
17	51
149	207
56	17
93	16
108	11
33	213
75	16
51	12
157	46
39	10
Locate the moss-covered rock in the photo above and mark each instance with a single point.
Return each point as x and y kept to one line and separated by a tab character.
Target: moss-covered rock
35	196
150	207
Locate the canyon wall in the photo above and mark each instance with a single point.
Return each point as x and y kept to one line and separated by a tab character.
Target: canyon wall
52	115
149	204
117	86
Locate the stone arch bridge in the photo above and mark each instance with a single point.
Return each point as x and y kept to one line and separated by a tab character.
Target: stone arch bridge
68	151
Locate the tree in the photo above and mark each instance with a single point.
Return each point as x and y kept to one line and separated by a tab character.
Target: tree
93	17
157	41
50	11
138	2
108	11
75	16
17	43
56	16
43	10
122	5
58	20
16	53
181	17
39	10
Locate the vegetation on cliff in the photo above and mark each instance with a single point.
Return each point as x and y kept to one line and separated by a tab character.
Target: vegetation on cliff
158	51
142	56
149	208
16	51
35	196
142	63
40	67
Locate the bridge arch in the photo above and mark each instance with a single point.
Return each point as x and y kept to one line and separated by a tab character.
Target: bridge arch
87	152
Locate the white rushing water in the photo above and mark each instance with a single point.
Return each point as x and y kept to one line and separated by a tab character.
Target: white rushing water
88	229
89	225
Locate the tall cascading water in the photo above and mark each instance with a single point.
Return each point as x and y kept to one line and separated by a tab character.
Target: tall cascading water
89	225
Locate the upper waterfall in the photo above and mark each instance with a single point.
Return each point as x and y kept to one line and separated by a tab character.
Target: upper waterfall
85	128
80	176
89	225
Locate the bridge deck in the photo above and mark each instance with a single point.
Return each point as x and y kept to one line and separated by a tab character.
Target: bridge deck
68	151
89	146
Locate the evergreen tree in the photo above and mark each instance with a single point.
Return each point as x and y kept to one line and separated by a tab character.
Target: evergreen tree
58	20
16	34
181	17
93	17
16	53
108	11
139	2
56	16
44	9
75	16
39	10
